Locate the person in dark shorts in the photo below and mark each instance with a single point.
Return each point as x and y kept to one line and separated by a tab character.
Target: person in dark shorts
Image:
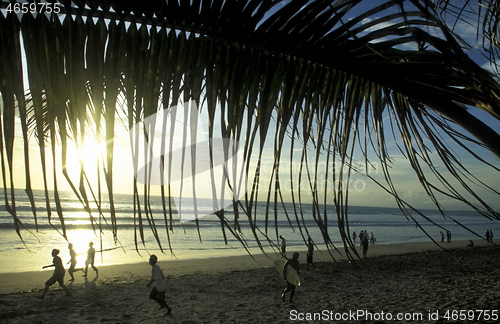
294	263
310	252
57	276
364	244
158	292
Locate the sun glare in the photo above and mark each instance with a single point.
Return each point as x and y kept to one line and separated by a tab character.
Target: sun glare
89	156
81	243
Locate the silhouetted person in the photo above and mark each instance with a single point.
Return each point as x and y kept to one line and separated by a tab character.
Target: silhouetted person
364	245
283	246
158	292
310	252
294	263
90	259
448	236
471	244
57	276
73	261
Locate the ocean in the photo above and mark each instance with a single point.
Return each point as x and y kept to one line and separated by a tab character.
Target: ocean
33	251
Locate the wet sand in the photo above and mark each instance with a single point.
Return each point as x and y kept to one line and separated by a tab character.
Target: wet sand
418	281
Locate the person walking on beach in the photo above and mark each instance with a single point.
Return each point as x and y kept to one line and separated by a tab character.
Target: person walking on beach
90	259
448	236
354	236
294	263
57	276
283	246
158	292
310	251
364	244
491	236
73	261
442	236
372	238
488	239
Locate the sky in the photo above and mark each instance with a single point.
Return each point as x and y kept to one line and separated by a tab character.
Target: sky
362	190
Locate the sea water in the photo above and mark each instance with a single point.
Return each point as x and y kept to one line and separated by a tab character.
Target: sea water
204	238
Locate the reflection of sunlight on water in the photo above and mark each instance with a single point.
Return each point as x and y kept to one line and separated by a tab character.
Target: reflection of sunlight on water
18	257
81	238
83	221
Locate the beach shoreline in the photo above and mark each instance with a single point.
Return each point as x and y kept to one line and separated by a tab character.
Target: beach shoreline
18	282
242	288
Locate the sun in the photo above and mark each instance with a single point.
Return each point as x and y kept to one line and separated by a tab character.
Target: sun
87	157
90	156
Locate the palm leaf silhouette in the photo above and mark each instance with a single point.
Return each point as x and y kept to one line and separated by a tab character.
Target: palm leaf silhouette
331	79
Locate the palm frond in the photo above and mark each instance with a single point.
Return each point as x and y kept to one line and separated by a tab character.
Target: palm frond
482	15
331	79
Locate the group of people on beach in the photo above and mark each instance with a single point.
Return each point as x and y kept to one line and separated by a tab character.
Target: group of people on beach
448	236
310	250
59	272
157	292
159	289
364	240
364	235
488	236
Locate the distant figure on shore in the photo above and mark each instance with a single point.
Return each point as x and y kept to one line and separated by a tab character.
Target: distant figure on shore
294	263
489	236
471	244
283	246
354	236
90	259
442	236
448	236
372	238
364	244
310	251
58	275
73	261
158	292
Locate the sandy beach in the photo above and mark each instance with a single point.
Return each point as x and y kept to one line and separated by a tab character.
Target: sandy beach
417	282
